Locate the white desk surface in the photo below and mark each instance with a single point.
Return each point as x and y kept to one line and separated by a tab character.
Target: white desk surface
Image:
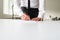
29	30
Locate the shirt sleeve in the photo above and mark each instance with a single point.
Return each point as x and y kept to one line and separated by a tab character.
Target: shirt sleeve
41	9
17	7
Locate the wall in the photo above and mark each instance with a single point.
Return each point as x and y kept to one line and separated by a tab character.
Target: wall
53	8
1	8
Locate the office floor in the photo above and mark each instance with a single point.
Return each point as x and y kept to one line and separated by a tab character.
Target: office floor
11	29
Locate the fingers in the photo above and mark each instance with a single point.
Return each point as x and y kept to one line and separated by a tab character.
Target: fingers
25	17
36	19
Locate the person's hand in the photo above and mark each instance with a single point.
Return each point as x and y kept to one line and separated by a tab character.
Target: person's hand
36	19
25	17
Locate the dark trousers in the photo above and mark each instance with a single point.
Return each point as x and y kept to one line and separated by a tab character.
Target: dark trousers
32	12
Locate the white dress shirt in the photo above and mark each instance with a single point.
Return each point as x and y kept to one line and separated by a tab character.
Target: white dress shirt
33	4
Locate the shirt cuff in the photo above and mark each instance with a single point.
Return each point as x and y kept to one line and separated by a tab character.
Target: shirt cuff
18	11
21	12
41	14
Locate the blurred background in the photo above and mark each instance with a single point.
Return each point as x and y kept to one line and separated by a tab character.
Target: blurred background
51	8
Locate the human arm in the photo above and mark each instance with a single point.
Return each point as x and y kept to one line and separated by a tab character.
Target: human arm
41	11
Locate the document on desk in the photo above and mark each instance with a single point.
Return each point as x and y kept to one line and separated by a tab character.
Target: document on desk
29	30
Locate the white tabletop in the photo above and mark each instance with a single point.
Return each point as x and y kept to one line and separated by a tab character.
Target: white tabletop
29	30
